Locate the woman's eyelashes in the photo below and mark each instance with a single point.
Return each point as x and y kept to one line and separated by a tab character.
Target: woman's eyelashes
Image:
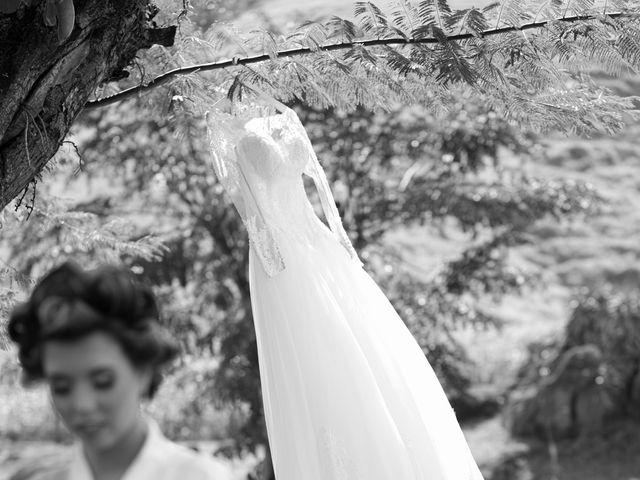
60	388
103	380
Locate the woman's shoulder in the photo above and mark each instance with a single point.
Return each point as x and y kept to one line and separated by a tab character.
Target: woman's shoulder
198	464
185	463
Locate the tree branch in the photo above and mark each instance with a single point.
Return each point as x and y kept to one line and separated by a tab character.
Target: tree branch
166	77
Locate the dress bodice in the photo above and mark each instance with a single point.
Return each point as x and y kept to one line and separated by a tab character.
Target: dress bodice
272	156
260	161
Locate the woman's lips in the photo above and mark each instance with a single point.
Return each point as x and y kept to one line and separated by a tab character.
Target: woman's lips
88	428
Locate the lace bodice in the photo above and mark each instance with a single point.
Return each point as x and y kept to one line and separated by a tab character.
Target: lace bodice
260	162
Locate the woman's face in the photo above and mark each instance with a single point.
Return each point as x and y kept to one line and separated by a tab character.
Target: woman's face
95	388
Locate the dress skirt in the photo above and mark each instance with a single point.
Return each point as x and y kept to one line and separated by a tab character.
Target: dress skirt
348	393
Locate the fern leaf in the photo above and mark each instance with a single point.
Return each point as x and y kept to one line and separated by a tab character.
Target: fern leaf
452	65
270	44
399	63
393	32
512	13
226	40
578	7
340	66
491	8
469	20
548	10
362	56
631	6
423	31
235	91
423	56
404	15
434	12
596	46
371	17
251	75
343	29
628	44
311	35
488	73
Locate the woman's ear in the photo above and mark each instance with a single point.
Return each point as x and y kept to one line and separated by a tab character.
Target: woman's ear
145	376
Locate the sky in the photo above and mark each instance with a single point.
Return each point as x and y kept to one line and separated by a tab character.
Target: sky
313	9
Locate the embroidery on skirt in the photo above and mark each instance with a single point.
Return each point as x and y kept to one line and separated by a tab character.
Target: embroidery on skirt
334	456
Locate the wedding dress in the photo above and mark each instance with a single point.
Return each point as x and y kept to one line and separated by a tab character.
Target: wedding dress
348	393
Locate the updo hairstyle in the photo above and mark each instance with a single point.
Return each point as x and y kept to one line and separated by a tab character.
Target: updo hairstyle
70	303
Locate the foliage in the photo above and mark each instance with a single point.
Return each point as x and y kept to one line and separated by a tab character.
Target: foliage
593	362
157	180
610	320
528	59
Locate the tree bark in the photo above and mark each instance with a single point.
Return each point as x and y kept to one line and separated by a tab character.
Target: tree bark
44	85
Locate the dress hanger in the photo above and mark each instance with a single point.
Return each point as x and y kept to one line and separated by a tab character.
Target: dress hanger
224	104
235	109
261	95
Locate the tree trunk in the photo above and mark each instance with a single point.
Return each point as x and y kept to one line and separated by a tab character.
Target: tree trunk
44	85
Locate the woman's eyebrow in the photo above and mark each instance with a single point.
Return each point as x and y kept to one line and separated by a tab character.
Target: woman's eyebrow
100	370
56	376
92	372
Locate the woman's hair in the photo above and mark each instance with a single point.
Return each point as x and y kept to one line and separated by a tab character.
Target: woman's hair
70	303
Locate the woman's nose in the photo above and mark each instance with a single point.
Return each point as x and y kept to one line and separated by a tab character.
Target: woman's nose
83	399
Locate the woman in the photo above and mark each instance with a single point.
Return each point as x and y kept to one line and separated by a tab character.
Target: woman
95	339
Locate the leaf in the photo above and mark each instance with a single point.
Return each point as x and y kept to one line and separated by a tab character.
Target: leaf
398	62
423	32
492	7
548	10
227	40
512	13
312	35
404	15
371	17
393	32
341	66
452	65
235	90
434	12
362	56
314	94
341	28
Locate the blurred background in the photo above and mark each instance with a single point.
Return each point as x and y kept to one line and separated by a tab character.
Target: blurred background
513	258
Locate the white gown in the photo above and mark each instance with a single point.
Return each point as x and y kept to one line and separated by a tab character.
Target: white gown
348	393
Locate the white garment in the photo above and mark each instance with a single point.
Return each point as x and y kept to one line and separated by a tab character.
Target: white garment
348	393
159	459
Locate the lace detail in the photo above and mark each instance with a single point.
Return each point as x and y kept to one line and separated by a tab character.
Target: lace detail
315	171
260	162
334	457
265	247
225	133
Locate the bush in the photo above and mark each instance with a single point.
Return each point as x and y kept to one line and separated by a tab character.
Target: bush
570	385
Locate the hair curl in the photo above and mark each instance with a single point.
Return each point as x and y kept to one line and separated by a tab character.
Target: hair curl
70	303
